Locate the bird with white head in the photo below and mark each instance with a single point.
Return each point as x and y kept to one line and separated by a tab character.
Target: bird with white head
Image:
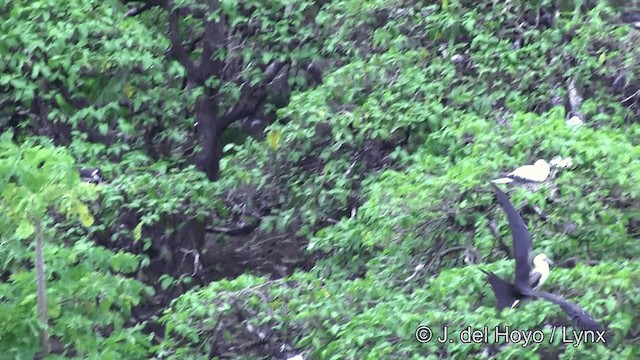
540	271
538	274
536	173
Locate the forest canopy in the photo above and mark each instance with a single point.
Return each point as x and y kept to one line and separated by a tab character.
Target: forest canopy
311	178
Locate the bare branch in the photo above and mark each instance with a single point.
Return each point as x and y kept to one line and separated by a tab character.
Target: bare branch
147	4
177	50
242	229
42	292
251	98
575	99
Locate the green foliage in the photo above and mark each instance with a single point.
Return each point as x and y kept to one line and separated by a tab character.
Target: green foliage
372	318
50	53
35	178
161	191
85	293
180	320
383	167
465	125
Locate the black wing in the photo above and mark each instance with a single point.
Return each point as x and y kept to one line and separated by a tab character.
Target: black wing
506	293
534	279
580	318
521	240
520	179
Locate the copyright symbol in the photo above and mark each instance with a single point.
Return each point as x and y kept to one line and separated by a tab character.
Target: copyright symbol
423	334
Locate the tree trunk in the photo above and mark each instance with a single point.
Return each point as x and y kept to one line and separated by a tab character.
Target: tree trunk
209	137
42	291
207	160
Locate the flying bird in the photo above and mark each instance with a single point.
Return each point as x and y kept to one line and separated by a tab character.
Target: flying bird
539	274
527	281
536	173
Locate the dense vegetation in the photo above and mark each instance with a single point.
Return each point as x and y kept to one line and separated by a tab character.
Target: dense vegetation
311	177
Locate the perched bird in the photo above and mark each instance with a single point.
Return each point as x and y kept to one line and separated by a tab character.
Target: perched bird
536	173
91	175
527	282
574	121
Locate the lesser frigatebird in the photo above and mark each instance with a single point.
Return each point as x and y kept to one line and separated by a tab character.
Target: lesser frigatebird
527	282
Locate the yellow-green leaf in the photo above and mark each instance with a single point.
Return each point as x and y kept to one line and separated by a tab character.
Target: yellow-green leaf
273	138
137	232
25	229
128	90
54	311
85	217
602	58
28	299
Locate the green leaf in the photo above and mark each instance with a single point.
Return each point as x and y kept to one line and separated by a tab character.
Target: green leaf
103	128
137	232
25	229
273	138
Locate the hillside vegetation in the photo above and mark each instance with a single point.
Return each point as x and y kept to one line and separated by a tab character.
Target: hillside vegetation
311	177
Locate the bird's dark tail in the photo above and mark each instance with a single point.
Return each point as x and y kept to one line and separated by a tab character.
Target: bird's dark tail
505	291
